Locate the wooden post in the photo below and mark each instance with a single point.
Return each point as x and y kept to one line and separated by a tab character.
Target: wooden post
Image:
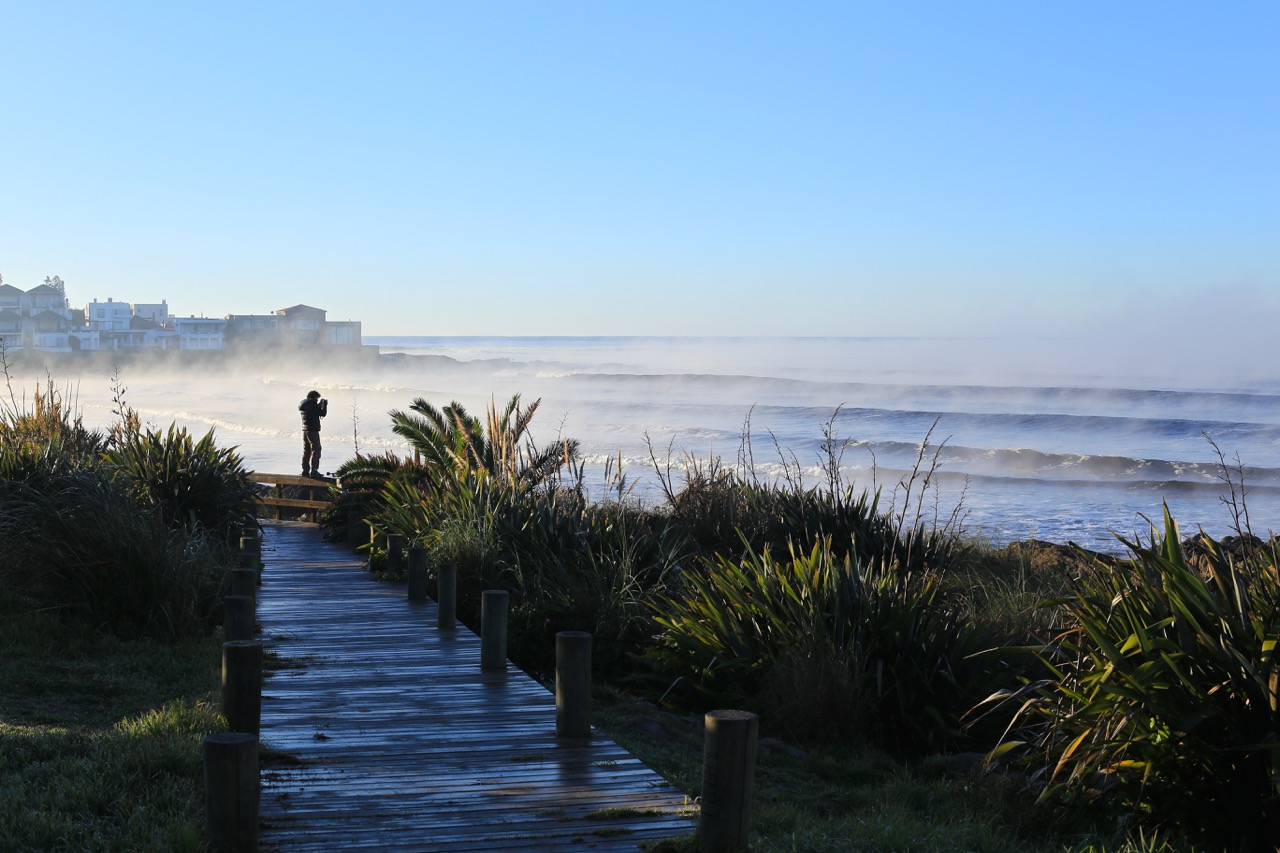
251	555
395	554
242	685
241	621
447	597
417	574
244	582
231	791
573	684
493	629
728	771
357	531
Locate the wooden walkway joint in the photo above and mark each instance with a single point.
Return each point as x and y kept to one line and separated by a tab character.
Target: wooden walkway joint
381	732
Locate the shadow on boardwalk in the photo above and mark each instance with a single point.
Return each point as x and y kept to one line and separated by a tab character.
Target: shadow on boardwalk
393	738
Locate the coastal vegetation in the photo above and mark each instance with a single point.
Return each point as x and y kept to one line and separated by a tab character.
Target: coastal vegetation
113	546
1127	702
916	689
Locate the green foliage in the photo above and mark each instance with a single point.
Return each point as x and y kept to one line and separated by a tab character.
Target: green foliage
1162	696
452	442
190	483
79	544
841	649
129	530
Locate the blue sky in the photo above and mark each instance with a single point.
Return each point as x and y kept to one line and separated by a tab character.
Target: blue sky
652	168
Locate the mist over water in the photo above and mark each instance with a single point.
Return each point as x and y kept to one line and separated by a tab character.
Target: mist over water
1062	439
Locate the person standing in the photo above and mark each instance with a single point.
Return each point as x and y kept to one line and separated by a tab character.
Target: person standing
313	408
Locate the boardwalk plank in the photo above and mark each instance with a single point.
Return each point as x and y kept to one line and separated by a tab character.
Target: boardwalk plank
397	740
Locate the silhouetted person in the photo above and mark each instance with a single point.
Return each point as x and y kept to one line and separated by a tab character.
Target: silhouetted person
313	408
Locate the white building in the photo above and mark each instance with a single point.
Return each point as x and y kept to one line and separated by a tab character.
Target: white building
200	332
109	316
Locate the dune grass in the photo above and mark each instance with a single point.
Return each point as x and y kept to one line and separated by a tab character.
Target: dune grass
100	736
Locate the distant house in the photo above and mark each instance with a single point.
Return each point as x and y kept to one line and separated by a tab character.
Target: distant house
11	298
109	316
342	333
302	325
38	318
298	325
157	313
202	333
49	331
11	328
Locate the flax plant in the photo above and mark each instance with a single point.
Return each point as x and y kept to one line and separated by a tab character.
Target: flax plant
903	668
1162	694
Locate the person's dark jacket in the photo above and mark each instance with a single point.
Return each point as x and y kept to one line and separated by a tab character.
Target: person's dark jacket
312	412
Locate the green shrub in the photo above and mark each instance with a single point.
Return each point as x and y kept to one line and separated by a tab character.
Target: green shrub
1162	696
79	544
190	483
840	649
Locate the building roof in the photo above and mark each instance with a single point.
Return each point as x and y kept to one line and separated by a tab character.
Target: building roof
47	316
301	309
9	288
44	288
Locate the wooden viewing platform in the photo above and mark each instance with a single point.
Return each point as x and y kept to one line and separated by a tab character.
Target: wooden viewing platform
397	740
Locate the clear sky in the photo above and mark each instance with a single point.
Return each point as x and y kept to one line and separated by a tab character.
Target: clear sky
608	167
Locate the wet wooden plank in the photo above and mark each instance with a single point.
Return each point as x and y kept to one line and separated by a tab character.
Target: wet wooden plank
397	740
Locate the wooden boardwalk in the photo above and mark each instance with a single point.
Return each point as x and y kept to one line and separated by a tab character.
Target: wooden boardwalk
402	742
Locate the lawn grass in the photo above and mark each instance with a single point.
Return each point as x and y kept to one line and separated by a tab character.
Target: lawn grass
100	737
856	800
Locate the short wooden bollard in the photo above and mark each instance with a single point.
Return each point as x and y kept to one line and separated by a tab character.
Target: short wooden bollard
395	554
242	685
241	621
244	582
493	629
447	597
357	531
728	771
573	684
417	574
251	555
231	791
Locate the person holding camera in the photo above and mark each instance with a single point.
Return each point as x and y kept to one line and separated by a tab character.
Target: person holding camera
313	408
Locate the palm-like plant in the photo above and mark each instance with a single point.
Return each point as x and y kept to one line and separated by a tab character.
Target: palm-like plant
453	442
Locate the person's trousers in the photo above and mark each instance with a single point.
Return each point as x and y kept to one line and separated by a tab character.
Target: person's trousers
311	451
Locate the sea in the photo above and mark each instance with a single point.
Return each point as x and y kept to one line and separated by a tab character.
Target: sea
1058	439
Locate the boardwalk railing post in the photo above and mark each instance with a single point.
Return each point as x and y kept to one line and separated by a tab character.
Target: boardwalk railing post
573	684
244	582
417	574
395	554
493	629
251	555
242	685
241	621
447	597
357	530
728	771
231	791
